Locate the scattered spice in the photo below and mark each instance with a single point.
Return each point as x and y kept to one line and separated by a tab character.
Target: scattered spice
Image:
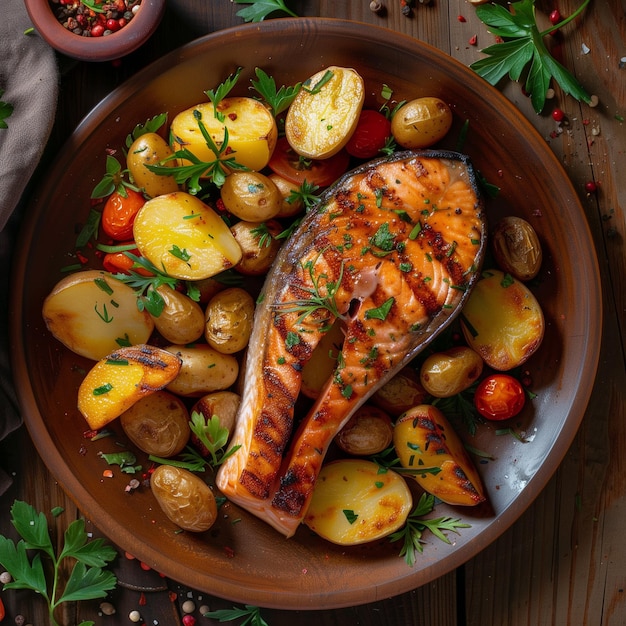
94	18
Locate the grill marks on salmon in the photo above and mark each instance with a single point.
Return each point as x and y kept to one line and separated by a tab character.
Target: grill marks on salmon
392	251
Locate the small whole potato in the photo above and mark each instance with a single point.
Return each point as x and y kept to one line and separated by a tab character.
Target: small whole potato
516	248
228	320
259	249
158	424
203	370
181	320
368	431
401	393
251	196
291	205
184	497
444	374
421	122
223	404
151	149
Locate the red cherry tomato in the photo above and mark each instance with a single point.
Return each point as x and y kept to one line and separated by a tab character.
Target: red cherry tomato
370	135
499	397
119	214
286	162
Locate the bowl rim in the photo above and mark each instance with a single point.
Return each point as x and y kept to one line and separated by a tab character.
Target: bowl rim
107	48
340	598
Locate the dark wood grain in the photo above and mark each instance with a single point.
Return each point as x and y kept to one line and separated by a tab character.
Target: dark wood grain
564	560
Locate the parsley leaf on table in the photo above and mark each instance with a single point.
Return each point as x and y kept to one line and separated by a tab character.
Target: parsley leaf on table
6	109
252	615
87	580
260	9
523	45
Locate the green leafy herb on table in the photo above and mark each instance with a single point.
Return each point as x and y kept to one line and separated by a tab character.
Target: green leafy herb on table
523	45
251	615
88	579
411	533
260	9
6	110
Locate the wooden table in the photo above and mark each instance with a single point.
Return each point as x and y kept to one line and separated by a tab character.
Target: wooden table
564	561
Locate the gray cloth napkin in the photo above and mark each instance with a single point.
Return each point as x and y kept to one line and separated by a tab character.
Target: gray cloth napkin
29	78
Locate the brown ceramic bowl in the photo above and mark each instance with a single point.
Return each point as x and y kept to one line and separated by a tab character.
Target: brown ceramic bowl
107	48
248	561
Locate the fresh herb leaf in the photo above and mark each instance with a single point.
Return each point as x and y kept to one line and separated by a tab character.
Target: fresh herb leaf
87	580
317	87
251	615
221	91
114	179
381	312
416	524
149	126
278	100
260	9
213	436
305	193
523	50
6	110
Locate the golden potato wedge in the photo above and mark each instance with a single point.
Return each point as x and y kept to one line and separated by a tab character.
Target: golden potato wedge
325	112
426	443
203	370
151	149
181	320
502	321
157	424
252	131
354	502
125	376
93	314
184	237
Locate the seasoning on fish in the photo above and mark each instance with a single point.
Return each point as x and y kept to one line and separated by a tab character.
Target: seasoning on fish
391	253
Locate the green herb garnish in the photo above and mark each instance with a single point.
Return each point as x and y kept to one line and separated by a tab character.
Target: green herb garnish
260	9
6	110
87	580
523	44
251	615
278	100
221	91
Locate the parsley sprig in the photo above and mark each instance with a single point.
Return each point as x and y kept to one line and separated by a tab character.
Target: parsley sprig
114	179
88	579
221	91
251	615
523	45
6	110
277	99
411	533
260	9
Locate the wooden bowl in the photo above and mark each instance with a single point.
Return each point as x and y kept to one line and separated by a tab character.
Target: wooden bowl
107	48
248	561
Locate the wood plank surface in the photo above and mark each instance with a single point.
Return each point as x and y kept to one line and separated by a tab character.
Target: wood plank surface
564	561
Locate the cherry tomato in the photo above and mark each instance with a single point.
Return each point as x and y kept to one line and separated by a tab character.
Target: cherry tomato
119	214
120	262
321	172
370	135
499	397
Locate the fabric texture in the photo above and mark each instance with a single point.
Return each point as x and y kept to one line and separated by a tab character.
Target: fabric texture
29	79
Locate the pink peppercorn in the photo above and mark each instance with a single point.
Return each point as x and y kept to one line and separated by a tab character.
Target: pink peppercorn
558	115
555	17
591	187
189	620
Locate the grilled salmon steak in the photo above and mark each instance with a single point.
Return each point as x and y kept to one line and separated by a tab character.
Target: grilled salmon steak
391	253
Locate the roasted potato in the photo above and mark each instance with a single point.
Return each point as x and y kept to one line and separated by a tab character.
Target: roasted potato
401	393
181	320
228	320
184	237
223	404
151	149
369	431
516	248
502	321
354	502
319	368
444	374
422	122
259	247
93	314
291	204
325	112
203	370
424	440
251	196
125	376
252	131
184	497
158	424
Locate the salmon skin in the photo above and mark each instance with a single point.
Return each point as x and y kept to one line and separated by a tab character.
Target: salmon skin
391	252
